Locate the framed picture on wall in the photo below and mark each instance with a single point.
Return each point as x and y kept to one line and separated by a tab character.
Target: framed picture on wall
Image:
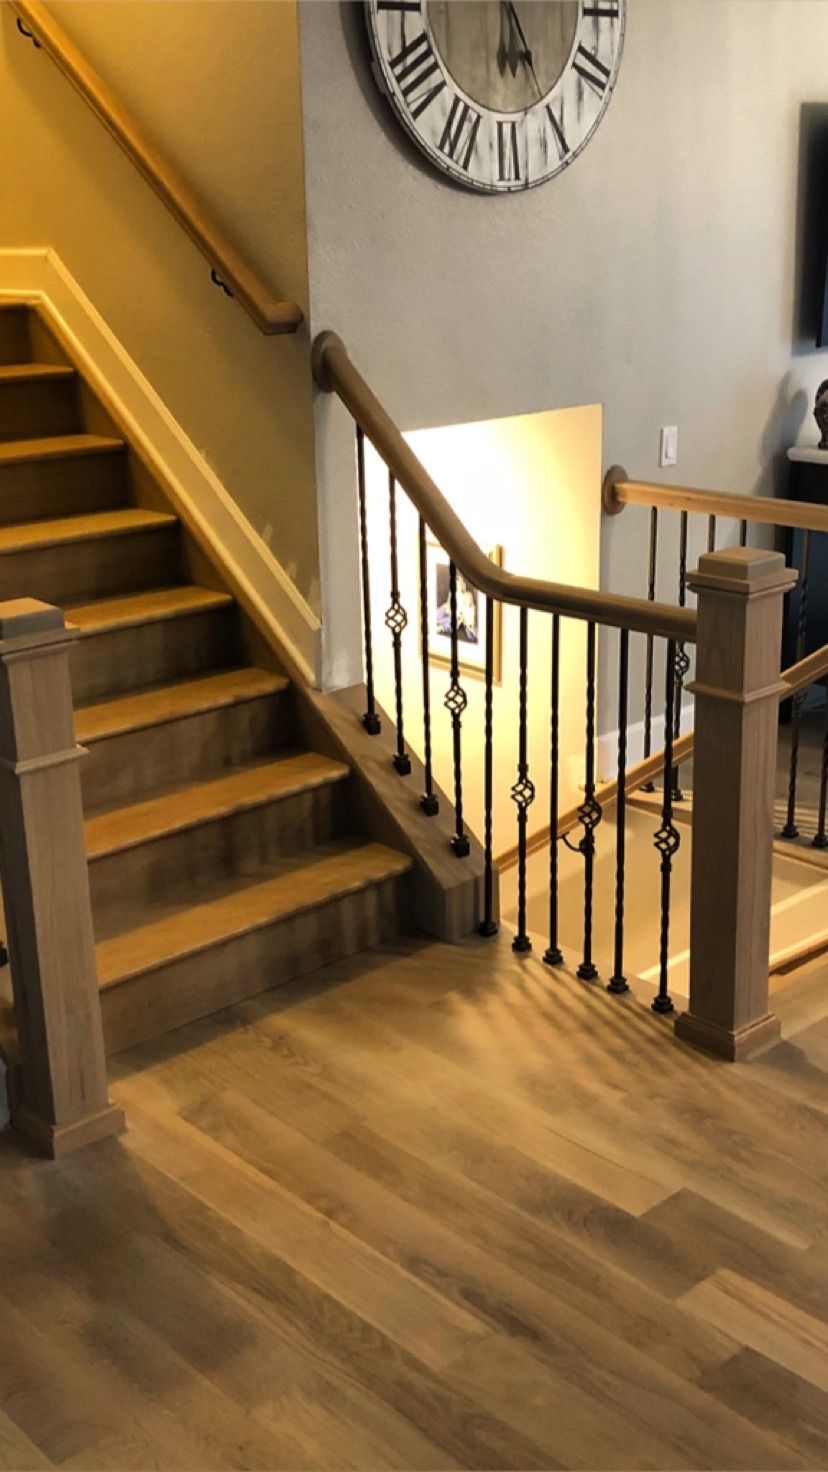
471	618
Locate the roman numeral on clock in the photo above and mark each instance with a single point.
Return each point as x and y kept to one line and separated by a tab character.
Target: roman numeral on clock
415	5
592	70
557	129
414	67
508	158
460	133
607	9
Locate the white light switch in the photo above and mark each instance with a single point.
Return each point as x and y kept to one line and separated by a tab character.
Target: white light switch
669	445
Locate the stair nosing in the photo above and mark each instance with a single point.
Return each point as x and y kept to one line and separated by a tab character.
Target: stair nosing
336	772
397	865
273	684
35	372
96	445
210	603
151	521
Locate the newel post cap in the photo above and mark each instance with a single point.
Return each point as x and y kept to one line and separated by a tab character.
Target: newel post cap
22	618
747	572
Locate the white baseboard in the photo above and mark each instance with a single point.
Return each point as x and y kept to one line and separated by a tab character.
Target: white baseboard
608	742
205	507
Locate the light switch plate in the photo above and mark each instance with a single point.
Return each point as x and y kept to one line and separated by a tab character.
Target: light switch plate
668	454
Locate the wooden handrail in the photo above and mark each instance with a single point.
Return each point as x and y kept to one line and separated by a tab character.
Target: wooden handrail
619	491
270	314
335	373
796	678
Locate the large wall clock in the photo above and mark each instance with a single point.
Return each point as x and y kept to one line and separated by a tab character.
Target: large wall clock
500	96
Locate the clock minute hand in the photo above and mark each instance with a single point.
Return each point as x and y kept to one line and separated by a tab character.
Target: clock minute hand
526	54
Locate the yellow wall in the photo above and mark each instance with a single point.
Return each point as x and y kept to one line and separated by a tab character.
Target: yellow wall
532	485
216	85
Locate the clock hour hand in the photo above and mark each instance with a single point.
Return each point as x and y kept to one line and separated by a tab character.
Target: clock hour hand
525	55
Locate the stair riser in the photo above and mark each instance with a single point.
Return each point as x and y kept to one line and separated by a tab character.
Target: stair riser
38	490
158	1001
38	408
98	567
233	844
146	654
121	769
15	346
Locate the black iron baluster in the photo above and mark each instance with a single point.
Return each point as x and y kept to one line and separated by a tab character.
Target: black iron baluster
429	801
682	662
790	829
488	925
711	534
455	702
648	679
396	620
743	534
619	983
553	955
821	837
667	838
370	720
523	791
589	813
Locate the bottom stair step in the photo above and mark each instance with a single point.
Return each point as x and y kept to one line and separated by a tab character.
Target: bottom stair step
253	935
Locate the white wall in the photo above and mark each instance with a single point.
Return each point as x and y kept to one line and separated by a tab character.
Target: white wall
655	276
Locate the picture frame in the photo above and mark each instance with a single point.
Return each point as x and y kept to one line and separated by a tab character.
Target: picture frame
472	614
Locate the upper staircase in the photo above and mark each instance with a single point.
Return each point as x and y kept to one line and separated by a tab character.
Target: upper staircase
224	857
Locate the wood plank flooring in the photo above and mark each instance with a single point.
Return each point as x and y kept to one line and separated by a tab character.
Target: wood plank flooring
431	1208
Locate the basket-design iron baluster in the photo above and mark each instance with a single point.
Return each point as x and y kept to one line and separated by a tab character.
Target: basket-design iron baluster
429	801
455	702
682	657
790	829
590	814
648	677
523	791
820	839
667	837
488	925
370	720
618	982
396	621
553	955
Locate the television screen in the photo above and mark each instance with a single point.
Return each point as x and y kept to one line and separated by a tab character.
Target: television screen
812	242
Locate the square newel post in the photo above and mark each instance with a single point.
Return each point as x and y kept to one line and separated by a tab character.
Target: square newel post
737	690
59	1086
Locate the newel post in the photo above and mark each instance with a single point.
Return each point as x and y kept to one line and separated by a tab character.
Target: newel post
59	1086
737	689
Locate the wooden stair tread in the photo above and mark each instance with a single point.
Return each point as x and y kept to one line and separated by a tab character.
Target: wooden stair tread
33	372
170	702
143	608
233	911
30	535
58	446
173	812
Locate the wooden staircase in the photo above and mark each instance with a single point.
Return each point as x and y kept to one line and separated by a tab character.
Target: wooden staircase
223	857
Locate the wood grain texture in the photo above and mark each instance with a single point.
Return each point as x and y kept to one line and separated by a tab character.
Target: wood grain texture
327	1242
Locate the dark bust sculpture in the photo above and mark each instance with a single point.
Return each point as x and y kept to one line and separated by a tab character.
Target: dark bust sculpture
821	413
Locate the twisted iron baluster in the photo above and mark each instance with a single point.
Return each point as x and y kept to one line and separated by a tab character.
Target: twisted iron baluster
821	837
429	801
523	791
682	658
790	829
667	838
743	534
553	955
456	702
370	720
619	983
396	620
488	925
589	813
648	681
711	534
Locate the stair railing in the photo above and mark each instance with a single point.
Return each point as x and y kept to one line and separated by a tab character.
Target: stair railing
736	633
809	519
228	269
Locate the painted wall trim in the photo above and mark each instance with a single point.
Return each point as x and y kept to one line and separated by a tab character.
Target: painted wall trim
607	746
38	276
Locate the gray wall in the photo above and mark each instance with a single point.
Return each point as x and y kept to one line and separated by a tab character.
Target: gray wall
656	275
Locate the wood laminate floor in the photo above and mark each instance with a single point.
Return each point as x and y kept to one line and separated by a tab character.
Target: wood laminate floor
434	1208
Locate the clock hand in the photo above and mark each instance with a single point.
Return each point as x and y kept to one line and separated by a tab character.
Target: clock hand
508	52
526	54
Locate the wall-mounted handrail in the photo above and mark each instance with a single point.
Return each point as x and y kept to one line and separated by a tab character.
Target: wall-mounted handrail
619	491
796	679
270	314
334	372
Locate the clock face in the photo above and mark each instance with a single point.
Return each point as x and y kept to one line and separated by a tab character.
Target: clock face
500	96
